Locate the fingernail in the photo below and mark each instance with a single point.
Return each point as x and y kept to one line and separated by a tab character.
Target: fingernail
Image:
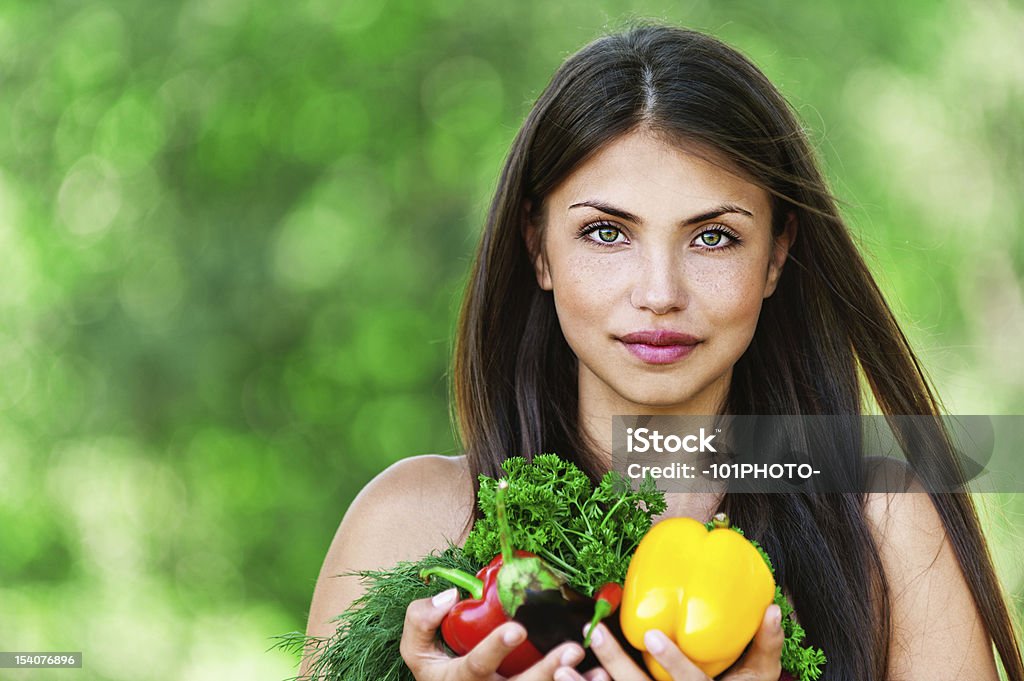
445	598
597	637
776	617
563	675
571	657
655	642
513	637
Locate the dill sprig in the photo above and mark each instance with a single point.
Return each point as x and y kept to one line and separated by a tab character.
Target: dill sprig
365	645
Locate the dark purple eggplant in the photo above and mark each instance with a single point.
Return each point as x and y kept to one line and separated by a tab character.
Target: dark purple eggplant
554	616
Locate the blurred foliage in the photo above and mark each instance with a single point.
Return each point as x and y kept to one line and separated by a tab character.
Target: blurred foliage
234	236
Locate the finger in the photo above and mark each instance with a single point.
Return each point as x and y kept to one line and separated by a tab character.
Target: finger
485	657
597	674
569	674
615	662
667	654
565	656
422	618
764	657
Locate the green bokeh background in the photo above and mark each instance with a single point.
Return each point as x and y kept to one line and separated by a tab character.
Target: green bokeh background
234	236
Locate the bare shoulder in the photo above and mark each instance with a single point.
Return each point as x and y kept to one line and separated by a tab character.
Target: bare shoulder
937	630
415	506
412	507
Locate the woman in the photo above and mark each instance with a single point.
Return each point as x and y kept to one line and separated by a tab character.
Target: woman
662	242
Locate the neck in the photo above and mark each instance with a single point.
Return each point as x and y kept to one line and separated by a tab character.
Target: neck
598	404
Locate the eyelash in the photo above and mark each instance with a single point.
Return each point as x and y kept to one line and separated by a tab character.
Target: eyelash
588	229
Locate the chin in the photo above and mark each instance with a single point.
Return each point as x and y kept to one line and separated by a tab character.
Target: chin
672	393
660	399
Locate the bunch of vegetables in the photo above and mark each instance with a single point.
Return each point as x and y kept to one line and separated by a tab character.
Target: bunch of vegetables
551	551
519	585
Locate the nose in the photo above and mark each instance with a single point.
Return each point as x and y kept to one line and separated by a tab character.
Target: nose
660	284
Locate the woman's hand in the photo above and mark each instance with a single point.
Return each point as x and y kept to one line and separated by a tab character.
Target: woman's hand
429	662
762	662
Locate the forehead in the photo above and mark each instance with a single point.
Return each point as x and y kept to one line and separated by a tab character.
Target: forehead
642	170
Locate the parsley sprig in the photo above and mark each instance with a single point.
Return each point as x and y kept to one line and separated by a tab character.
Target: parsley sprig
589	533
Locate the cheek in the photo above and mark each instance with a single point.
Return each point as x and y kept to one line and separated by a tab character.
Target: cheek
730	295
586	285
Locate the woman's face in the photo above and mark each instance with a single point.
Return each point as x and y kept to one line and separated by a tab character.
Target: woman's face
658	262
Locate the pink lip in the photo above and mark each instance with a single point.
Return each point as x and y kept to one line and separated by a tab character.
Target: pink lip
659	347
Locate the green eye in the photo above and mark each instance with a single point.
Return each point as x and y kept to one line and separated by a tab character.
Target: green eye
608	234
711	238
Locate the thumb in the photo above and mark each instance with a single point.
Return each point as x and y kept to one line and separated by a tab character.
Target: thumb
764	658
422	618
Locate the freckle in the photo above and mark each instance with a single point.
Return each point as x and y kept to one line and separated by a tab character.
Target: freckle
582	270
710	281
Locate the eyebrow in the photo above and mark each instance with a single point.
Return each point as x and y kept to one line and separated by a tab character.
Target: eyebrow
722	209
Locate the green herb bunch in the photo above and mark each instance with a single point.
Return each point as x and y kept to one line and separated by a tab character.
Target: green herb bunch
589	533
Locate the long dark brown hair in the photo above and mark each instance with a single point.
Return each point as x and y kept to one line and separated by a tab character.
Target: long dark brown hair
826	326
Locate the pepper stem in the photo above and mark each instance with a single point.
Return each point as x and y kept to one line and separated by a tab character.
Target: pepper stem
504	533
720	521
601	610
461	579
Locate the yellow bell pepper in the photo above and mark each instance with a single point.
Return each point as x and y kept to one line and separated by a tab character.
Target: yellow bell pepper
706	590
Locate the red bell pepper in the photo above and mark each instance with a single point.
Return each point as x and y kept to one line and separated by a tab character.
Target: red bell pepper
470	620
